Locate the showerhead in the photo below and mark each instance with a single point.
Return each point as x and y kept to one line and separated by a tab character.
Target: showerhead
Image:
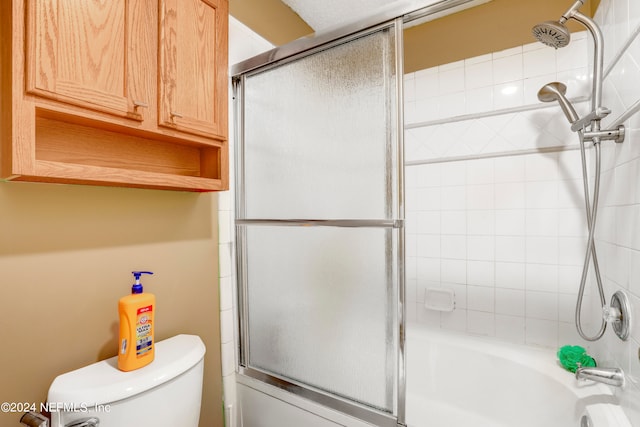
555	33
552	33
556	91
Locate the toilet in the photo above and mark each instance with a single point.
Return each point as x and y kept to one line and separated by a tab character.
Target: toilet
165	393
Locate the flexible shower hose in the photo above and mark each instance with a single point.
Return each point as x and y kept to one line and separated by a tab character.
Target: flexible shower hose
591	213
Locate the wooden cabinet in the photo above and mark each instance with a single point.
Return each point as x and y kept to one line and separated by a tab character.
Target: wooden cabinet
190	38
119	92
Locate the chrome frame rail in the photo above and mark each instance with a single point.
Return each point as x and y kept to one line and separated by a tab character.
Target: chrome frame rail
343	405
410	10
401	374
352	223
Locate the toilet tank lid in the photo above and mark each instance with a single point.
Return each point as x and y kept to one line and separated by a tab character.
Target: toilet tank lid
103	383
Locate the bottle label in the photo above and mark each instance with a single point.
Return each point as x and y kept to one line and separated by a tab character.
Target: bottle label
144	331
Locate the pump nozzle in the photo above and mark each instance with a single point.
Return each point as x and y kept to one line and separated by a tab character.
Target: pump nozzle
137	287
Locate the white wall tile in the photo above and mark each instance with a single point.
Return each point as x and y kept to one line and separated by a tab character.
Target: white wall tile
428	246
571	250
428	271
454	198
510	248
479	100
426	84
454	321
541	168
510	328
481	222
454	247
481	248
575	54
454	222
510	302
541	222
508	95
428	222
480	298
451	104
509	169
454	173
450	81
569	278
542	194
541	332
480	323
481	273
541	305
480	196
542	277
539	61
454	271
510	195
510	275
508	69
510	222
542	250
479	74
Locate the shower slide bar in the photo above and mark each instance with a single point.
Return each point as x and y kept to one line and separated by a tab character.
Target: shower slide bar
352	223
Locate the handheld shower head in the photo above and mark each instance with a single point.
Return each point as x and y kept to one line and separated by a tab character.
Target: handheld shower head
556	91
552	33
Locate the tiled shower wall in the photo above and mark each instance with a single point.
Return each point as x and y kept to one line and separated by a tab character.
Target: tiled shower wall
494	193
619	226
495	207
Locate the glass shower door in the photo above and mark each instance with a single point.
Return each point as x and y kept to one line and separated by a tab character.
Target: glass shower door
319	224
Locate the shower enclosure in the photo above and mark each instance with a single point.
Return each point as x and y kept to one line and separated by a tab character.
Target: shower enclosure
320	219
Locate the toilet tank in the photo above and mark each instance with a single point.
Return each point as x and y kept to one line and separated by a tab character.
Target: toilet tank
165	393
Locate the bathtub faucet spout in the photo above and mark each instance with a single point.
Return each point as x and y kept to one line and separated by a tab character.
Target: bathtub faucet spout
611	376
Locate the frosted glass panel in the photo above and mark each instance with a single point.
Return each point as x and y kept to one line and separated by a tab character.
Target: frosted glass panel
321	308
318	132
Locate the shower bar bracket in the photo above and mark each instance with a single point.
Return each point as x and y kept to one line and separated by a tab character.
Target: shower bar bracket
616	135
598	114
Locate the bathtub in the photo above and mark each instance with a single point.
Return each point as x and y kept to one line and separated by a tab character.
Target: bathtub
461	381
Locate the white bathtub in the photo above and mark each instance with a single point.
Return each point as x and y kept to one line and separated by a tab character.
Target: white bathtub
461	381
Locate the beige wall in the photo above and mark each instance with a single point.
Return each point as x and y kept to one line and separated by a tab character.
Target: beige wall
66	256
491	27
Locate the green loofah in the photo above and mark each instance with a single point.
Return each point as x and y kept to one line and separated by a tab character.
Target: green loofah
573	356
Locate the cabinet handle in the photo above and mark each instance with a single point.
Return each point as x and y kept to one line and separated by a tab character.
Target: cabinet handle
174	114
140	104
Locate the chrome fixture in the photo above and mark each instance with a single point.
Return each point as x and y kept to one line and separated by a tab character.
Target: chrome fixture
556	34
618	314
34	419
556	91
611	376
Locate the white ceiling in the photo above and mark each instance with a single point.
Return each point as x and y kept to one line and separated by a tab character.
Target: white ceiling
322	14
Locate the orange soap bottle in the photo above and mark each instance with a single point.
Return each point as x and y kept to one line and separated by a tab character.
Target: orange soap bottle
136	342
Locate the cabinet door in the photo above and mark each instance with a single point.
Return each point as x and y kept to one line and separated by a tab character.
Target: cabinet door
78	53
193	66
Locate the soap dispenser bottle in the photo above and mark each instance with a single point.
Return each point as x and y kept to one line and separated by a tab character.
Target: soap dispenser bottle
136	341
